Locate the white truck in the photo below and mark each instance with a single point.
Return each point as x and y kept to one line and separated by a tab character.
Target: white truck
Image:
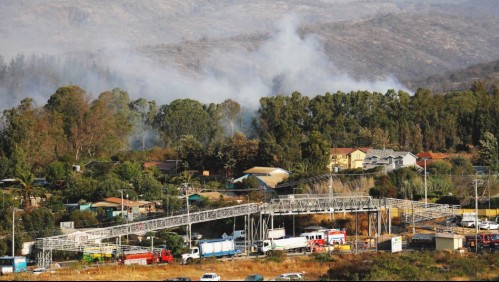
276	233
211	248
469	219
297	244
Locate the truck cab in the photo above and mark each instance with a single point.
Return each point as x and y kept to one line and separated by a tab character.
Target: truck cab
264	246
192	254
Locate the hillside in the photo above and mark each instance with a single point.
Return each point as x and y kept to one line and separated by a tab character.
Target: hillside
214	50
460	79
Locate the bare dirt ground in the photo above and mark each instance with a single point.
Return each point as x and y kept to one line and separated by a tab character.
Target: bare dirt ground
235	270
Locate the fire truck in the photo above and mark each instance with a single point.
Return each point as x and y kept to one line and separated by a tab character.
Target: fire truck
324	237
147	257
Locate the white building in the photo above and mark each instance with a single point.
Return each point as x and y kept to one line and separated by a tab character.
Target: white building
389	159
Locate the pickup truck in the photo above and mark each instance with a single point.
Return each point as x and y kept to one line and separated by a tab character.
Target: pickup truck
484	241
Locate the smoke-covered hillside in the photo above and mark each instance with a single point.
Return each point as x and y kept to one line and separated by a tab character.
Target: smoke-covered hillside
218	49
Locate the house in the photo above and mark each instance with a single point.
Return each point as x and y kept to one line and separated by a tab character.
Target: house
268	177
389	159
429	157
212	196
347	158
112	207
446	241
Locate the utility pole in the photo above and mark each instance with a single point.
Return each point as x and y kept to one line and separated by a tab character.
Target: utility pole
331	197
476	216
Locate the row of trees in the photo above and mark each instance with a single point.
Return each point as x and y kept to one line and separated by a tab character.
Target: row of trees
286	131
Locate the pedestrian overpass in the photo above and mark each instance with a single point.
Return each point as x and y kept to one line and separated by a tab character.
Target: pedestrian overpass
379	211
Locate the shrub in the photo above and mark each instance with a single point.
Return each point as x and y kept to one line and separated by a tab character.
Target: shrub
323	257
276	256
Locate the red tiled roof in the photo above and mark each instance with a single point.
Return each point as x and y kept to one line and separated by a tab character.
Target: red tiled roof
364	149
432	156
341	151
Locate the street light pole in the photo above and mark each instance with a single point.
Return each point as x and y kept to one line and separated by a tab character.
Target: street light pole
122	214
188	221
13	230
246	225
425	186
293	213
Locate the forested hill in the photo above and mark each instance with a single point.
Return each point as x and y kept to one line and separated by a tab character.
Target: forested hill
460	79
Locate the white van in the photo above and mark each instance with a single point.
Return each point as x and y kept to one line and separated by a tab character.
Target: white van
238	234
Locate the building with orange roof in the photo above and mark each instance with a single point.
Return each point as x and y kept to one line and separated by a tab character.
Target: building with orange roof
429	157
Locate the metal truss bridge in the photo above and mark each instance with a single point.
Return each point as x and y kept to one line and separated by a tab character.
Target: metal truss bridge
83	241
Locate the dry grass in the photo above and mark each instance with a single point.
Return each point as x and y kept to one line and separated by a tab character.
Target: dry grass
229	270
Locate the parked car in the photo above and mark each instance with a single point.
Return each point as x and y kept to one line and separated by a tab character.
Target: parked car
489	225
254	277
179	279
295	276
494	241
469	223
210	277
41	270
453	221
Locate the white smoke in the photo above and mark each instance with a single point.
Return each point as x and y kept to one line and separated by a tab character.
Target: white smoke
284	63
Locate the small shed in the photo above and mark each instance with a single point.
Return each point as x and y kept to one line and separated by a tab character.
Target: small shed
447	241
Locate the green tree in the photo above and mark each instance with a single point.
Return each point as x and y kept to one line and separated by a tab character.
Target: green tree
27	189
128	171
489	150
184	117
317	150
56	171
84	219
173	242
40	223
148	186
108	187
190	151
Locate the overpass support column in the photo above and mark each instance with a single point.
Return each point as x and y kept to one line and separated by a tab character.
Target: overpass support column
378	215
369	224
261	226
44	258
390	220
